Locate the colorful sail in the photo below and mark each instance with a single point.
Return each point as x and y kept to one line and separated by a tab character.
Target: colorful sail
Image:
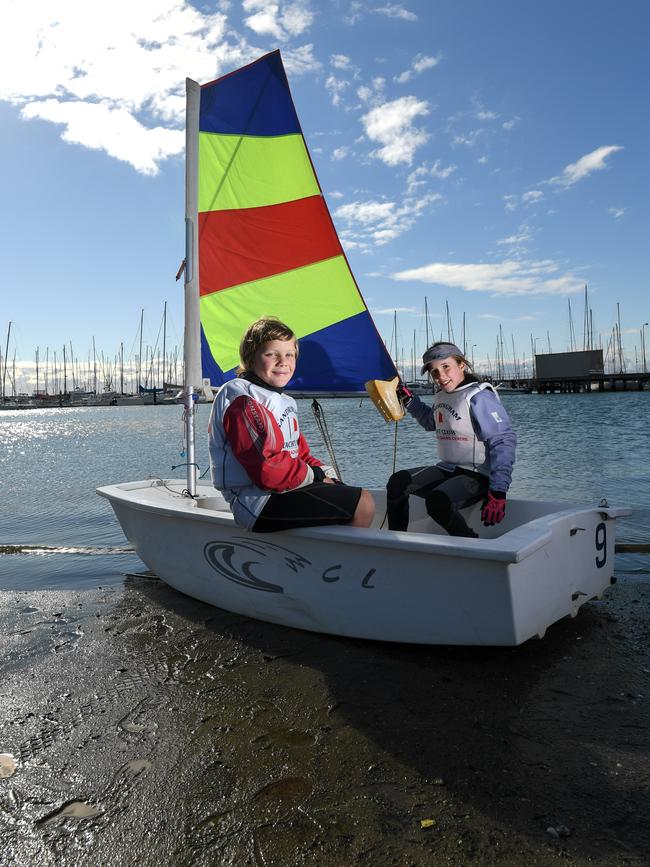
267	244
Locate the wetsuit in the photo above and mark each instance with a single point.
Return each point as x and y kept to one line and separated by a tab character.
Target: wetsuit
476	446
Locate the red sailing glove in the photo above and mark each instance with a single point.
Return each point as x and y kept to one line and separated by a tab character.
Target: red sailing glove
403	393
494	508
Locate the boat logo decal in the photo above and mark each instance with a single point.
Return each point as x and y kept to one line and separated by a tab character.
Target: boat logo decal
232	560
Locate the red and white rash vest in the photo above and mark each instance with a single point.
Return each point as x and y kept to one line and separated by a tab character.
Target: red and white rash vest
256	447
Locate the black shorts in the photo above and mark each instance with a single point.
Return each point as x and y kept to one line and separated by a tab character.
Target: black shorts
314	505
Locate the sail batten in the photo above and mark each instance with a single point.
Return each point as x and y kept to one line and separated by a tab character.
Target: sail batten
267	243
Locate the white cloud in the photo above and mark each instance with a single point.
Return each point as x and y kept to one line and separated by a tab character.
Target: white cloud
582	168
420	63
511	202
442	172
508	278
113	130
372	94
483	114
468	139
336	87
390	124
482	160
354	12
298	61
278	19
617	213
418	177
340	153
375	223
523	234
510	124
532	196
120	68
340	61
394	10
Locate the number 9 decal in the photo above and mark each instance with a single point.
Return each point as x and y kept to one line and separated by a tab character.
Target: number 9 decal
601	545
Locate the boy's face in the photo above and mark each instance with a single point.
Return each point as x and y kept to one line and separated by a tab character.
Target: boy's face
447	372
275	362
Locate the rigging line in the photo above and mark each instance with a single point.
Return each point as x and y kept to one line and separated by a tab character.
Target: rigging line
322	427
383	520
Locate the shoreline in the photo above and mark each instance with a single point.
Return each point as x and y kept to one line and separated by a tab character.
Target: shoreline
149	726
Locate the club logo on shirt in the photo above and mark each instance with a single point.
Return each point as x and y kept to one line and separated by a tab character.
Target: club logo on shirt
495	415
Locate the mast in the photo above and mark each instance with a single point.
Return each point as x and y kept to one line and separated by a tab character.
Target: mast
164	347
37	370
65	373
4	369
94	367
139	368
426	320
192	332
572	338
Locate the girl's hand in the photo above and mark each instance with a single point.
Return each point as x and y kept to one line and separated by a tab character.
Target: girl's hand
494	508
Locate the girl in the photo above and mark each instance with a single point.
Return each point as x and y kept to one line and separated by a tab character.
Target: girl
476	447
259	459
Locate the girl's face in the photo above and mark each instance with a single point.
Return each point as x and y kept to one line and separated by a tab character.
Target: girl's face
275	362
447	372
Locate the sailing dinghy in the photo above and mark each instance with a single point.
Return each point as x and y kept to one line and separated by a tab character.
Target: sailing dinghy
260	241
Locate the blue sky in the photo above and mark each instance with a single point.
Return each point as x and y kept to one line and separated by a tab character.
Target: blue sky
488	155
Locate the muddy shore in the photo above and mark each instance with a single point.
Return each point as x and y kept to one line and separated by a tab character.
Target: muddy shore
141	727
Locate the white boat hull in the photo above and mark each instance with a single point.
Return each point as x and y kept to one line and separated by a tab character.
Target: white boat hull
540	565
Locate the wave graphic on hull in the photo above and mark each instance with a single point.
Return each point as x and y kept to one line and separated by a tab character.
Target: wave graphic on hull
232	561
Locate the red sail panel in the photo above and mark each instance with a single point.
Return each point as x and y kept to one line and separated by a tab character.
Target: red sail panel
240	245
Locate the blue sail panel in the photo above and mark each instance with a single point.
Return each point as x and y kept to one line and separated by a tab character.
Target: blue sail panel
340	358
252	101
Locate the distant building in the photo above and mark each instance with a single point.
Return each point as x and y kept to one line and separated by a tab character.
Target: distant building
570	365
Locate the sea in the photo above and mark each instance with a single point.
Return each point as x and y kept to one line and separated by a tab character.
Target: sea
56	532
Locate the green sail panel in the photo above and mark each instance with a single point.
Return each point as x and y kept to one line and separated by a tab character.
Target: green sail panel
333	296
249	172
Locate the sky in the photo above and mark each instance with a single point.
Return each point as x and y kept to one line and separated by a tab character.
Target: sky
491	157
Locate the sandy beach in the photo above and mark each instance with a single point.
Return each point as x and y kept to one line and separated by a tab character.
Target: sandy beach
142	727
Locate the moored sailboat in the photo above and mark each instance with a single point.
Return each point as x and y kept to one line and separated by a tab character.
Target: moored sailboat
268	246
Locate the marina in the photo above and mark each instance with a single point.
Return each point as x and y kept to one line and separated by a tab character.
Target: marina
454	670
116	686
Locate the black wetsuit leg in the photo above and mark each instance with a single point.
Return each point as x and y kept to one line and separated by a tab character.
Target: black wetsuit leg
418	481
460	489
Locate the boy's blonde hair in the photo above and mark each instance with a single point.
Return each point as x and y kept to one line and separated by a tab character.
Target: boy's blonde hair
256	335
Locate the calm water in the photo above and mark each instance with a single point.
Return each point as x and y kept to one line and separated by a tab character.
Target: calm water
577	448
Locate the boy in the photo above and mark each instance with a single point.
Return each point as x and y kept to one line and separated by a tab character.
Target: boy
259	459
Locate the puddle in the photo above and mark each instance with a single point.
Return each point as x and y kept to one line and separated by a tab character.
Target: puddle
136	766
71	810
287	790
8	765
287	738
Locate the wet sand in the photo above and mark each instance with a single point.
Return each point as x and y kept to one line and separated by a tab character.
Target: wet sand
147	728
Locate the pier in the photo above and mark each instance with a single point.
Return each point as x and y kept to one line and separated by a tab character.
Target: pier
595	382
